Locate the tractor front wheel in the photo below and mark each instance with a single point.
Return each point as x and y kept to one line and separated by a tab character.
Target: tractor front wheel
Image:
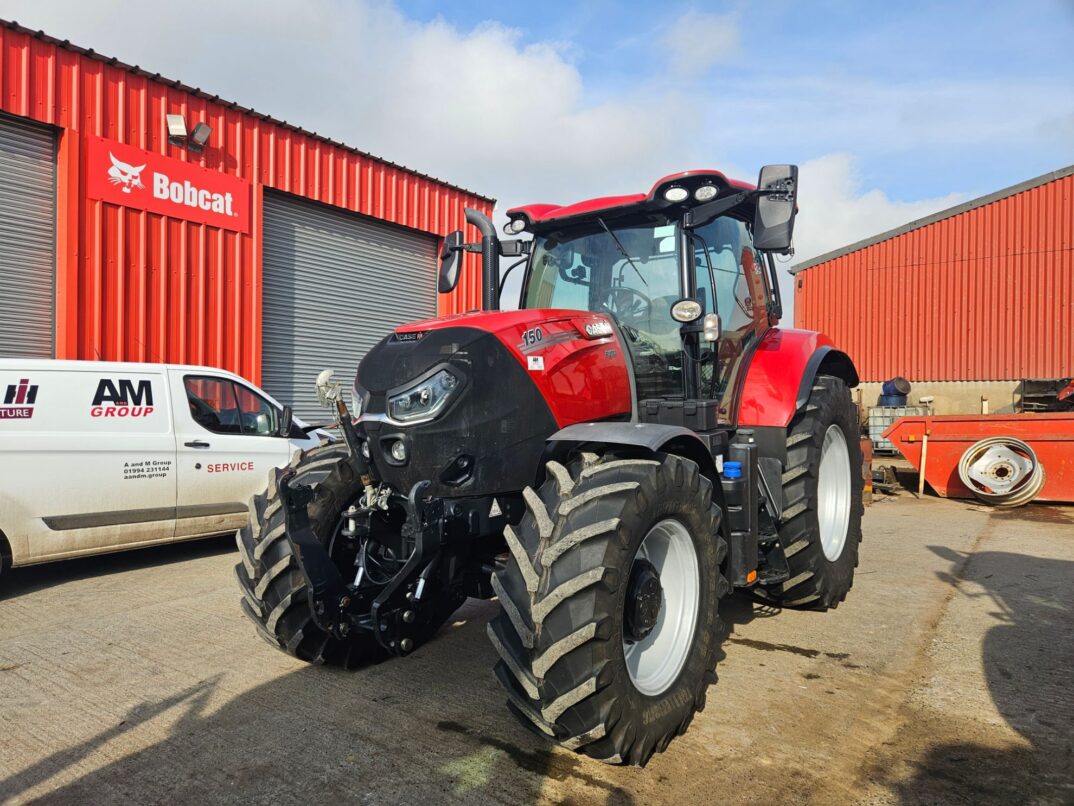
608	626
274	589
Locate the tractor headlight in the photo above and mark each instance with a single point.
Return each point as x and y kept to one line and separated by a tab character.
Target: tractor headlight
424	400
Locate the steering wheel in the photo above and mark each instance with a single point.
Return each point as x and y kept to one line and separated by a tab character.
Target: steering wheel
629	306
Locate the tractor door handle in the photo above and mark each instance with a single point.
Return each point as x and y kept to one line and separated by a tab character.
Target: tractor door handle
197	443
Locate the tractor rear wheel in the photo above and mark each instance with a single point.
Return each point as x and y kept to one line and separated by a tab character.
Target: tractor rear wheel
608	626
822	501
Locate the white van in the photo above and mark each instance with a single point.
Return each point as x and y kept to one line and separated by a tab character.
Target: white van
98	456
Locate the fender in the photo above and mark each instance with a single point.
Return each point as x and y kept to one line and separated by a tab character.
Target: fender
781	373
650	436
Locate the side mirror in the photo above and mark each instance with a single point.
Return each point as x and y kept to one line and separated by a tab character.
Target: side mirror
450	260
286	420
773	223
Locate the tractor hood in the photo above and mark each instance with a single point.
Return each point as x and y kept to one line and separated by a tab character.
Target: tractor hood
474	397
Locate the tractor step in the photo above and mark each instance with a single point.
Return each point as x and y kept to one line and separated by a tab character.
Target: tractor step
772	576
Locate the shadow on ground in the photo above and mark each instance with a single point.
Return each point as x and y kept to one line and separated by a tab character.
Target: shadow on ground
16	582
1028	663
432	727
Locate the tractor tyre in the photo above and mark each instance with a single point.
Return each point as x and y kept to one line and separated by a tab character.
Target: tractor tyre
273	587
822	501
608	627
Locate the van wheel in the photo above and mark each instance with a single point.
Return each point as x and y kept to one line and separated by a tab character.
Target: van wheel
5	559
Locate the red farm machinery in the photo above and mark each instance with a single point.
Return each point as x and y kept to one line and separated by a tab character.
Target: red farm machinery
608	461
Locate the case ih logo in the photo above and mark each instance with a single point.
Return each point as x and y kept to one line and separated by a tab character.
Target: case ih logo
120	174
23	395
122	398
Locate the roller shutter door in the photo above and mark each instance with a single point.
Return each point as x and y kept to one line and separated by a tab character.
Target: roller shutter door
335	283
27	240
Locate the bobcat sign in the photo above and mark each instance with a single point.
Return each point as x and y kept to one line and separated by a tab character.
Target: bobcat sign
128	176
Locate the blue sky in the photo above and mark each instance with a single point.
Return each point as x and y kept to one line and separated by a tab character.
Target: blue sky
834	55
892	110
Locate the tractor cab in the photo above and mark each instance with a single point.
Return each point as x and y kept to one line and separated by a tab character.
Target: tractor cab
685	271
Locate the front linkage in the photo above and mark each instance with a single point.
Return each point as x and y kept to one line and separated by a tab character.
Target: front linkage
393	612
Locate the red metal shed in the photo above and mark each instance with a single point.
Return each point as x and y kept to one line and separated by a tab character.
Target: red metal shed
981	292
147	273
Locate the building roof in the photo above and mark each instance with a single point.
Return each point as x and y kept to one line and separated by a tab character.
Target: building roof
958	209
216	99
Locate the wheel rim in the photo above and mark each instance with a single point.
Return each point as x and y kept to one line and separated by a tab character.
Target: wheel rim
833	492
655	661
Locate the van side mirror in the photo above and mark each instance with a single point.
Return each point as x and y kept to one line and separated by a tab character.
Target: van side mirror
286	420
773	223
450	260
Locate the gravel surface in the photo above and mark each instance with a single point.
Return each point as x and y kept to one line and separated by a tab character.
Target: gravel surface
946	677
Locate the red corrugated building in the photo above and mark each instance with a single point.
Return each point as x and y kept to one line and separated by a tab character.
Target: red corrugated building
271	251
964	303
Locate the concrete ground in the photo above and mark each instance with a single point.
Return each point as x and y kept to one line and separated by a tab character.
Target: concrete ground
946	677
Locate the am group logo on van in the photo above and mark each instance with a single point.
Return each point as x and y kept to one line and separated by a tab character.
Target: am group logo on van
122	398
19	399
132	177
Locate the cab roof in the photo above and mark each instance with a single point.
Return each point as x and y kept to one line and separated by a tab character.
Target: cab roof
689	180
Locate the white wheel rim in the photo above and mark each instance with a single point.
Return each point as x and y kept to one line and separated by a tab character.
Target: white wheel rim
655	661
833	492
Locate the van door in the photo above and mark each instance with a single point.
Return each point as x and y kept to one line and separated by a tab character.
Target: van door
225	434
89	465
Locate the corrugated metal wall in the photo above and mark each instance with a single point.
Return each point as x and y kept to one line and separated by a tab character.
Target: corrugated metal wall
985	295
27	239
135	286
315	256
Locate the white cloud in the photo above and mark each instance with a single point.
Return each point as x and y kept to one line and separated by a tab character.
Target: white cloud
835	209
512	118
697	40
478	108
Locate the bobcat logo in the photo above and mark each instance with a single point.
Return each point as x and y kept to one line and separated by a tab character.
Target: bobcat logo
123	174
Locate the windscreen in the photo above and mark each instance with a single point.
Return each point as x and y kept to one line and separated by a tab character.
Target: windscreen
631	271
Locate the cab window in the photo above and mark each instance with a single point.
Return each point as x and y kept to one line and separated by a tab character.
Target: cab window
226	407
730	281
629	270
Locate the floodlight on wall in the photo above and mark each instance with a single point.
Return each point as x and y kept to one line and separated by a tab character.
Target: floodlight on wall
199	136
176	129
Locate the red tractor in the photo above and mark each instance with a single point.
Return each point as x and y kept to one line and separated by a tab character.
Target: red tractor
609	461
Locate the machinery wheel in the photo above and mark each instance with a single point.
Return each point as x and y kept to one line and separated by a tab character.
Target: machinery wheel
822	488
607	631
274	591
273	587
1002	471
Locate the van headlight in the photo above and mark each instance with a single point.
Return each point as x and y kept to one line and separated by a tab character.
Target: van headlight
424	400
